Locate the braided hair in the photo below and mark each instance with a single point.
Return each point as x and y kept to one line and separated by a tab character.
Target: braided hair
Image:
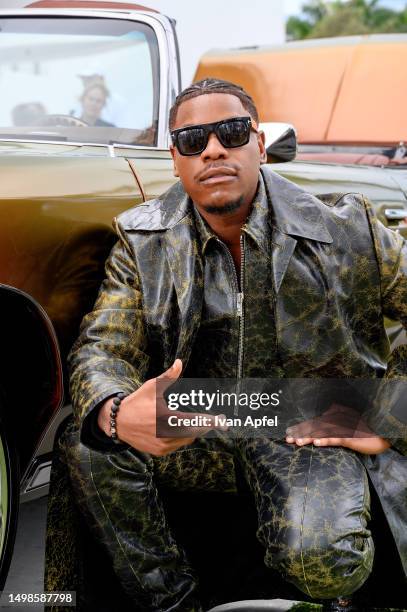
209	86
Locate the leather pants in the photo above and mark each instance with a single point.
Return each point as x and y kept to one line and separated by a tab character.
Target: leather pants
312	504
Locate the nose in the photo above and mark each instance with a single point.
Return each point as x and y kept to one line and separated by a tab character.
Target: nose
214	149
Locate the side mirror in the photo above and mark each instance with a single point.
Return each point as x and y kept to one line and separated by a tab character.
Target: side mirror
281	141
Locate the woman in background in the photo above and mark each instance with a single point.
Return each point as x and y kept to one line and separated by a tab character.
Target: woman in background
93	100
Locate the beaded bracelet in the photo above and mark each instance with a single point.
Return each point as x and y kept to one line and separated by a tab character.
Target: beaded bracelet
113	414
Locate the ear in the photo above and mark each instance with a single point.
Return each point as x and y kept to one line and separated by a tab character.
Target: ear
261	139
174	155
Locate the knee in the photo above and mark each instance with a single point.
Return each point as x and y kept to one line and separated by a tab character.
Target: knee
93	472
328	548
336	567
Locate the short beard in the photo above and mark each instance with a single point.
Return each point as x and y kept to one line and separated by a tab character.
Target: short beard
225	209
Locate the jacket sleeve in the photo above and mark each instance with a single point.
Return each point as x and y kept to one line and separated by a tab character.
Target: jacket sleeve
391	400
109	355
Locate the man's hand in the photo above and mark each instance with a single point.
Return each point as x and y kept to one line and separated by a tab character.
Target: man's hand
338	426
137	418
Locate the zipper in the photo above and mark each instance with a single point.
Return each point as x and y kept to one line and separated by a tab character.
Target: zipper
239	299
241	311
239	305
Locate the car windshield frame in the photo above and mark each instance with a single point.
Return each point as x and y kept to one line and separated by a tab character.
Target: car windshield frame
105	135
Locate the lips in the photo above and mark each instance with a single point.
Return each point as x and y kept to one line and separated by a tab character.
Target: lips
219	174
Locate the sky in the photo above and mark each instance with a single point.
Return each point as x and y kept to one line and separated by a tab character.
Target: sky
239	27
293	7
236	28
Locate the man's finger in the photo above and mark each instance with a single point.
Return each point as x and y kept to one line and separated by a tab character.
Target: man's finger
304	429
299	441
164	380
331	441
325	431
371	446
331	425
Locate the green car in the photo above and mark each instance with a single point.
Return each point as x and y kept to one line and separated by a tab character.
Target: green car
83	136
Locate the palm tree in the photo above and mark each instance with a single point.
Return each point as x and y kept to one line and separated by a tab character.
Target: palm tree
340	18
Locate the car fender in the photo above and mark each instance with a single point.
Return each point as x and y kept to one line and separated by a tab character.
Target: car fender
31	377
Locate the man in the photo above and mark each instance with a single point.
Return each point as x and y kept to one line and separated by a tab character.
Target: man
236	272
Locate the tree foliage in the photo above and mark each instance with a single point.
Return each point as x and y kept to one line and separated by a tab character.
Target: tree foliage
321	19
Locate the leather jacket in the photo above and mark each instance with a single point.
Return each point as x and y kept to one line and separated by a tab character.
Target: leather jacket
336	271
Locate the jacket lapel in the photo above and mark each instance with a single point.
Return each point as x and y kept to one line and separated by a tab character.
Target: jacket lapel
187	276
283	247
170	216
295	213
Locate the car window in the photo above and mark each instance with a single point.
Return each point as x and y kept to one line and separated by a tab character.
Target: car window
79	79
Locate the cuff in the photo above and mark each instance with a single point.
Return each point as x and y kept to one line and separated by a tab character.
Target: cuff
91	434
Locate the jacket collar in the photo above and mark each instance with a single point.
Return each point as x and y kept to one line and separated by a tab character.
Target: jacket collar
257	224
294	211
160	214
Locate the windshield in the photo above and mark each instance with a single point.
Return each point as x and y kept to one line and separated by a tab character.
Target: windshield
79	79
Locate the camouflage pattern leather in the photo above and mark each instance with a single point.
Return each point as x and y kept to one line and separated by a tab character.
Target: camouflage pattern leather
313	507
332	284
334	272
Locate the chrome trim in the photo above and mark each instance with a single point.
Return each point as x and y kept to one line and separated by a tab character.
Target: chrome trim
374	148
56	142
38	476
166	45
395	214
35	494
117	145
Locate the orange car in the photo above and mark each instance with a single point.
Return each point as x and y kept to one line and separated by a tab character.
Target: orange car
345	96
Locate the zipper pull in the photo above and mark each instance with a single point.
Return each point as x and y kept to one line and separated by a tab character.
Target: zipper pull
239	303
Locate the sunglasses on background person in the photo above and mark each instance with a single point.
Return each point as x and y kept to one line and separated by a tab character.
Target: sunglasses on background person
231	133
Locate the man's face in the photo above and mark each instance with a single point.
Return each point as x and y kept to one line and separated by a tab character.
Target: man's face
218	178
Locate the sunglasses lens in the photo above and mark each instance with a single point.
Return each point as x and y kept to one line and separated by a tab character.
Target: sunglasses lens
234	133
231	133
191	141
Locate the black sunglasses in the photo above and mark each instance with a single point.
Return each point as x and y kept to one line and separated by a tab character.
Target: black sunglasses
231	133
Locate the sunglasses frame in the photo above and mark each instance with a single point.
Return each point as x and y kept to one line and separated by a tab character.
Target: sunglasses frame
212	128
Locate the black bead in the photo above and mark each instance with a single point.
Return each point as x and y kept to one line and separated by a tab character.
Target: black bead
117	401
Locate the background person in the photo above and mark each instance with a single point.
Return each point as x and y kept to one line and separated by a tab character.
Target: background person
93	100
28	113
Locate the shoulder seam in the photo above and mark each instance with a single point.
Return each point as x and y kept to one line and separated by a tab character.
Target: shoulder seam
338	196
